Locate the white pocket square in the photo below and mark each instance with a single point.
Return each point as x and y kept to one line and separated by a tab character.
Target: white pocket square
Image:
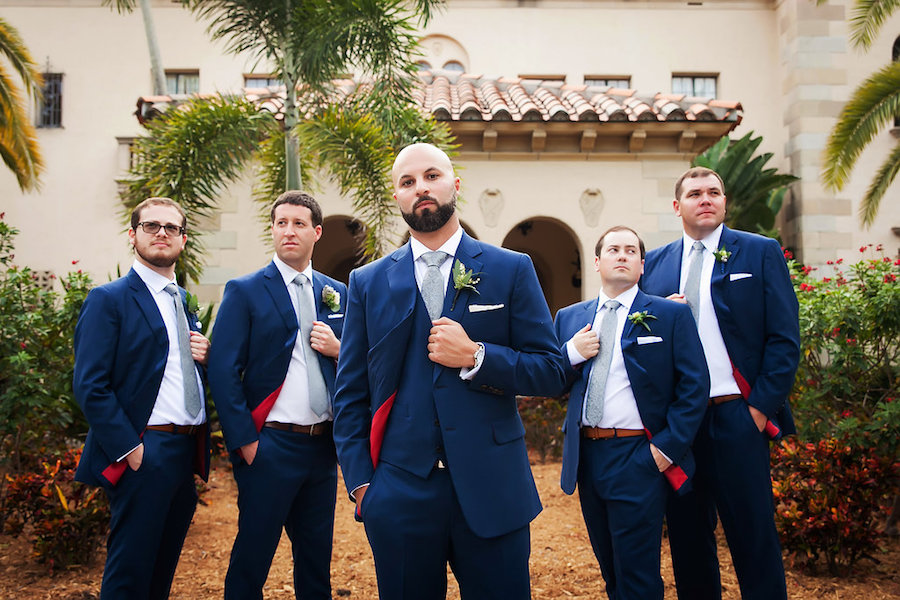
736	276
484	307
648	339
335	315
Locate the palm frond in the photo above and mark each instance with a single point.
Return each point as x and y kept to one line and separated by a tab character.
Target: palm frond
19	148
873	105
120	6
867	18
12	47
883	179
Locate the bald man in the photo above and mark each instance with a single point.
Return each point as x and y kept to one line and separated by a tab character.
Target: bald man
439	338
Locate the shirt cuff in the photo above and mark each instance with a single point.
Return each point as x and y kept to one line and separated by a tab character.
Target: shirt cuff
121	458
575	357
356	489
469	373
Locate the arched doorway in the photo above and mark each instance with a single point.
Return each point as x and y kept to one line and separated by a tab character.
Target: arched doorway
339	250
557	259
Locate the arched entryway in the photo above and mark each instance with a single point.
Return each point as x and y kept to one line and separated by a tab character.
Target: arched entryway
555	252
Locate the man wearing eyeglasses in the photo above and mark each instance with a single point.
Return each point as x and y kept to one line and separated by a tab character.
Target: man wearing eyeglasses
138	357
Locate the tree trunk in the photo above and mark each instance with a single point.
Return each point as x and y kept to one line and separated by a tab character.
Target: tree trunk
159	76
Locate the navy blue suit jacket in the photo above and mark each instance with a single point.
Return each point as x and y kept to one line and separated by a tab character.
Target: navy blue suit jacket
757	311
483	436
252	341
667	371
121	347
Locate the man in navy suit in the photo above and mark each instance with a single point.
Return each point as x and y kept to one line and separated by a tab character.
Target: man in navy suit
272	368
426	426
638	390
738	287
140	389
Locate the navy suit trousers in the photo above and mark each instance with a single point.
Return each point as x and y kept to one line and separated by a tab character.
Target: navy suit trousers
623	500
415	527
733	478
151	510
291	485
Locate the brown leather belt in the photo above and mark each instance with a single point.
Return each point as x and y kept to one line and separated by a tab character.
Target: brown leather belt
723	399
179	429
600	433
314	429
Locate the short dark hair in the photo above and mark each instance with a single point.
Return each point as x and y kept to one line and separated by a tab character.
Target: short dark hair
298	198
599	245
156	201
694	173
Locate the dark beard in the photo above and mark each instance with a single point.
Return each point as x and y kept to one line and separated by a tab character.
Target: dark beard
160	261
430	220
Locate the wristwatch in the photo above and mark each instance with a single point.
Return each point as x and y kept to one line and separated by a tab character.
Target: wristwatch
479	355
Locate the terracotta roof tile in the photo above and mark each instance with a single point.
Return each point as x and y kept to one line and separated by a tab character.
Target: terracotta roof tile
450	96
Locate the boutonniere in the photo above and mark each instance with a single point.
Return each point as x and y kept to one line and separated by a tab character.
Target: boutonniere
463	280
331	298
640	318
193	305
722	255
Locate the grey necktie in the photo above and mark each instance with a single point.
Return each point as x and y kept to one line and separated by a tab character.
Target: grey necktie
188	370
692	283
318	391
600	371
433	283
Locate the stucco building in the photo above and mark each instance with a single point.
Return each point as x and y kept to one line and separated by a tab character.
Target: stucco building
572	116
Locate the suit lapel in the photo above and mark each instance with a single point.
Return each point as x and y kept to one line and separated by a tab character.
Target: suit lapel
468	253
146	303
721	271
276	289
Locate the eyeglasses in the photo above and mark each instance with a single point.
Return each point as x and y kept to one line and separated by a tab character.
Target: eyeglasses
152	227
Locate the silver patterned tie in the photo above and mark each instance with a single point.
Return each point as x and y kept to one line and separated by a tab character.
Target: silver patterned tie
318	391
692	283
593	412
188	370
433	283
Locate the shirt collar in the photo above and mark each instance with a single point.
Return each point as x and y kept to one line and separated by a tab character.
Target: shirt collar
288	272
450	246
626	298
154	281
710	242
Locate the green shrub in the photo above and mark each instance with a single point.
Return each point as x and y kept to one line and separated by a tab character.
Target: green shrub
829	497
37	406
543	419
64	519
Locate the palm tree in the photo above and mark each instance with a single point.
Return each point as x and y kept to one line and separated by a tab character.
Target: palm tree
128	6
192	151
873	105
18	139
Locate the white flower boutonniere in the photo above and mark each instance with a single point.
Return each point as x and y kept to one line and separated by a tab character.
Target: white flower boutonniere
640	318
331	298
463	280
722	255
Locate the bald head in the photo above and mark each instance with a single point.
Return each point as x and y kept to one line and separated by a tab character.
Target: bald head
418	154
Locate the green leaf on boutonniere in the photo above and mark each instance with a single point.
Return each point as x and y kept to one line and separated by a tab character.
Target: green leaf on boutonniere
463	280
193	305
722	255
640	318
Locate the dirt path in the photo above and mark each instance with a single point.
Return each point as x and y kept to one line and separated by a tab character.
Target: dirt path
562	563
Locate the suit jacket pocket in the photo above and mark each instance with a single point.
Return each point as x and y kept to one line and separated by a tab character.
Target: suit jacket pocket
508	430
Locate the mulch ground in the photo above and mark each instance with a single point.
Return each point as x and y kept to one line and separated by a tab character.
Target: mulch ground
562	564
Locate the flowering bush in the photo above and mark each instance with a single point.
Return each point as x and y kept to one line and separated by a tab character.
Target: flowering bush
828	498
850	333
65	519
543	419
37	406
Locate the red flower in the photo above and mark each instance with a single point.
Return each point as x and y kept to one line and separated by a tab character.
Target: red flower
805	287
839	261
862	248
845	414
787	253
826	279
22	344
75	262
829	262
807	269
890	278
851	341
879	247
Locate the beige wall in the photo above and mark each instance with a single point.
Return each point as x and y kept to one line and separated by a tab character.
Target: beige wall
786	62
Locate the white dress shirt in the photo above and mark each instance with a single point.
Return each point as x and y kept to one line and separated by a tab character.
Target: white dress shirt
169	406
292	405
721	376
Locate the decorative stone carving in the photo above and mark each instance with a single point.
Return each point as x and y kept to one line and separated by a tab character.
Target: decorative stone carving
491	204
591	203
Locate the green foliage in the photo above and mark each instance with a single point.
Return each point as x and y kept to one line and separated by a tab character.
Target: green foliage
19	149
37	405
850	332
65	520
829	497
754	193
543	419
189	155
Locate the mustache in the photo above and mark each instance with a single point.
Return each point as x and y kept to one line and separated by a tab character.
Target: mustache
422	200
